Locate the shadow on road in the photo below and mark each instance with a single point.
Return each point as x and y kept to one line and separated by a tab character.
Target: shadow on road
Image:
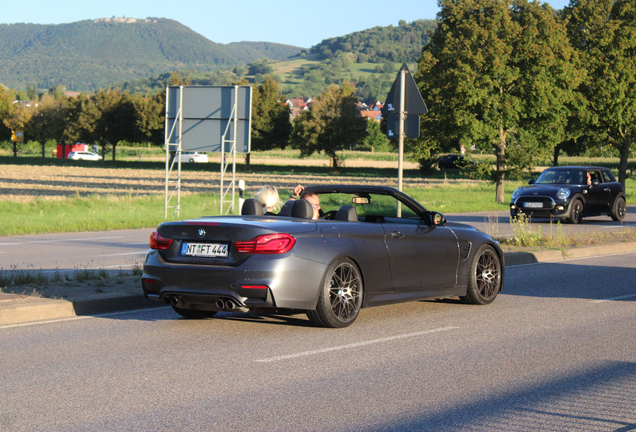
601	398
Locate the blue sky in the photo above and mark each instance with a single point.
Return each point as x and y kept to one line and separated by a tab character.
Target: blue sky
301	23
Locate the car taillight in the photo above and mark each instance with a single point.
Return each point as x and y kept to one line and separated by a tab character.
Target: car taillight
267	244
157	241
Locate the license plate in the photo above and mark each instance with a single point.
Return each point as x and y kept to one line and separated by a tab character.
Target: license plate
214	250
533	205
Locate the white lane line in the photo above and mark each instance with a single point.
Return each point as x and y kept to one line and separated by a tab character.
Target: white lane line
60	240
354	345
82	317
613	298
570	259
126	253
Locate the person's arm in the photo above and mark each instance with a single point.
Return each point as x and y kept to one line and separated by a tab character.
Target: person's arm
297	191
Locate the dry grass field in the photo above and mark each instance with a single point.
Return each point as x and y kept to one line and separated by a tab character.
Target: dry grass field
24	183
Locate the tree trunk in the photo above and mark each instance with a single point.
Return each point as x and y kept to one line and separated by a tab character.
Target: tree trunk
624	152
247	161
114	148
557	150
334	161
43	152
501	164
15	149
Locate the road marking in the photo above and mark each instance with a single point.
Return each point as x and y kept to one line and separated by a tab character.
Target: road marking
61	240
82	317
126	253
613	298
354	345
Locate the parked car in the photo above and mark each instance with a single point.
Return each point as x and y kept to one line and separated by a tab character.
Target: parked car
362	253
571	193
83	155
452	161
192	156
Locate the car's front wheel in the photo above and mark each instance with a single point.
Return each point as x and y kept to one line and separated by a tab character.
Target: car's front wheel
484	281
194	313
618	210
576	212
340	297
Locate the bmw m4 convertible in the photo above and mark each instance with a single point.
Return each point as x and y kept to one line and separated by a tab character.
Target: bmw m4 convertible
374	246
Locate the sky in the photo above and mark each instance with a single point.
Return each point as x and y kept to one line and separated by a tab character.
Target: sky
300	23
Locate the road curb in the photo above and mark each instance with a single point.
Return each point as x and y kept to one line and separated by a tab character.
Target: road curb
518	258
40	309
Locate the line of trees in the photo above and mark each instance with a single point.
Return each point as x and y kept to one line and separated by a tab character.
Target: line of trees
109	117
514	78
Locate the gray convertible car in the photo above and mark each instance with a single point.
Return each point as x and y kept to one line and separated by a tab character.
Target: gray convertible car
374	246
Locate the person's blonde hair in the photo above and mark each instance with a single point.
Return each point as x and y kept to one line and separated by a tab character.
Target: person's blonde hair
268	196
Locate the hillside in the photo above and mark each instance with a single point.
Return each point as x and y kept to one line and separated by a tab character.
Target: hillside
93	54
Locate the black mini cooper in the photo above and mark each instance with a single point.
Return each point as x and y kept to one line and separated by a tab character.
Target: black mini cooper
570	193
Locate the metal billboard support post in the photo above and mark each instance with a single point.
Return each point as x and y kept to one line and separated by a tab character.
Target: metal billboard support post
224	164
170	164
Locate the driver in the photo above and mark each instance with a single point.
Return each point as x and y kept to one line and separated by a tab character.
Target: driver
312	198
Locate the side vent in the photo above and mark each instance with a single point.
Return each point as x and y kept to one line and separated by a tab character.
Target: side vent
464	249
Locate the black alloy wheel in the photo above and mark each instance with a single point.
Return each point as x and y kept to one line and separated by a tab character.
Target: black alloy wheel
485	277
191	160
618	210
576	212
194	313
340	299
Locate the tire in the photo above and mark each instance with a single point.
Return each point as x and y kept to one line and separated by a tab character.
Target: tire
484	281
618	209
340	298
191	160
576	212
194	313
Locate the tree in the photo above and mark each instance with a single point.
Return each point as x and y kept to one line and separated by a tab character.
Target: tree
376	139
271	126
17	116
149	115
604	32
330	124
498	74
47	121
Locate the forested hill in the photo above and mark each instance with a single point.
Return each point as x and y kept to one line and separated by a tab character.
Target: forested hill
380	44
93	54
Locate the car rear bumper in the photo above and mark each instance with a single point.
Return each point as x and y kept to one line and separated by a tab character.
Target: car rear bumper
285	281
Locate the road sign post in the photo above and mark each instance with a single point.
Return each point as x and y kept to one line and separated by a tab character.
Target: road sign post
405	96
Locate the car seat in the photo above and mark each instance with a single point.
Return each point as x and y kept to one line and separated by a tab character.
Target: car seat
252	207
347	213
302	209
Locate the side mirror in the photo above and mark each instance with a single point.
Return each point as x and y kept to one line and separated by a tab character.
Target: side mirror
595	183
437	218
531	181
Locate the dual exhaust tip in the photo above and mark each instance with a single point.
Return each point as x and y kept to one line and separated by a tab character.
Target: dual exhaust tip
220	303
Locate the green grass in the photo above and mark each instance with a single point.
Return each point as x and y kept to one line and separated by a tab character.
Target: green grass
97	213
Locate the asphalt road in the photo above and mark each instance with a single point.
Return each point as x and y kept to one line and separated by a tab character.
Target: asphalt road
556	351
122	249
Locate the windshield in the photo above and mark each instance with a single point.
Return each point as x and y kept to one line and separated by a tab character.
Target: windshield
378	206
562	176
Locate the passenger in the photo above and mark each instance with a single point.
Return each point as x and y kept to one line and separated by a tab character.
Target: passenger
268	196
589	178
312	198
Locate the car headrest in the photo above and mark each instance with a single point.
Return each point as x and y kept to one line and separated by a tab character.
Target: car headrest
252	207
285	210
302	209
347	213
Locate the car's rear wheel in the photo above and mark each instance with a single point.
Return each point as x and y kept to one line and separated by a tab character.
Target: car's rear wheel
191	160
340	298
484	282
618	210
576	212
194	313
